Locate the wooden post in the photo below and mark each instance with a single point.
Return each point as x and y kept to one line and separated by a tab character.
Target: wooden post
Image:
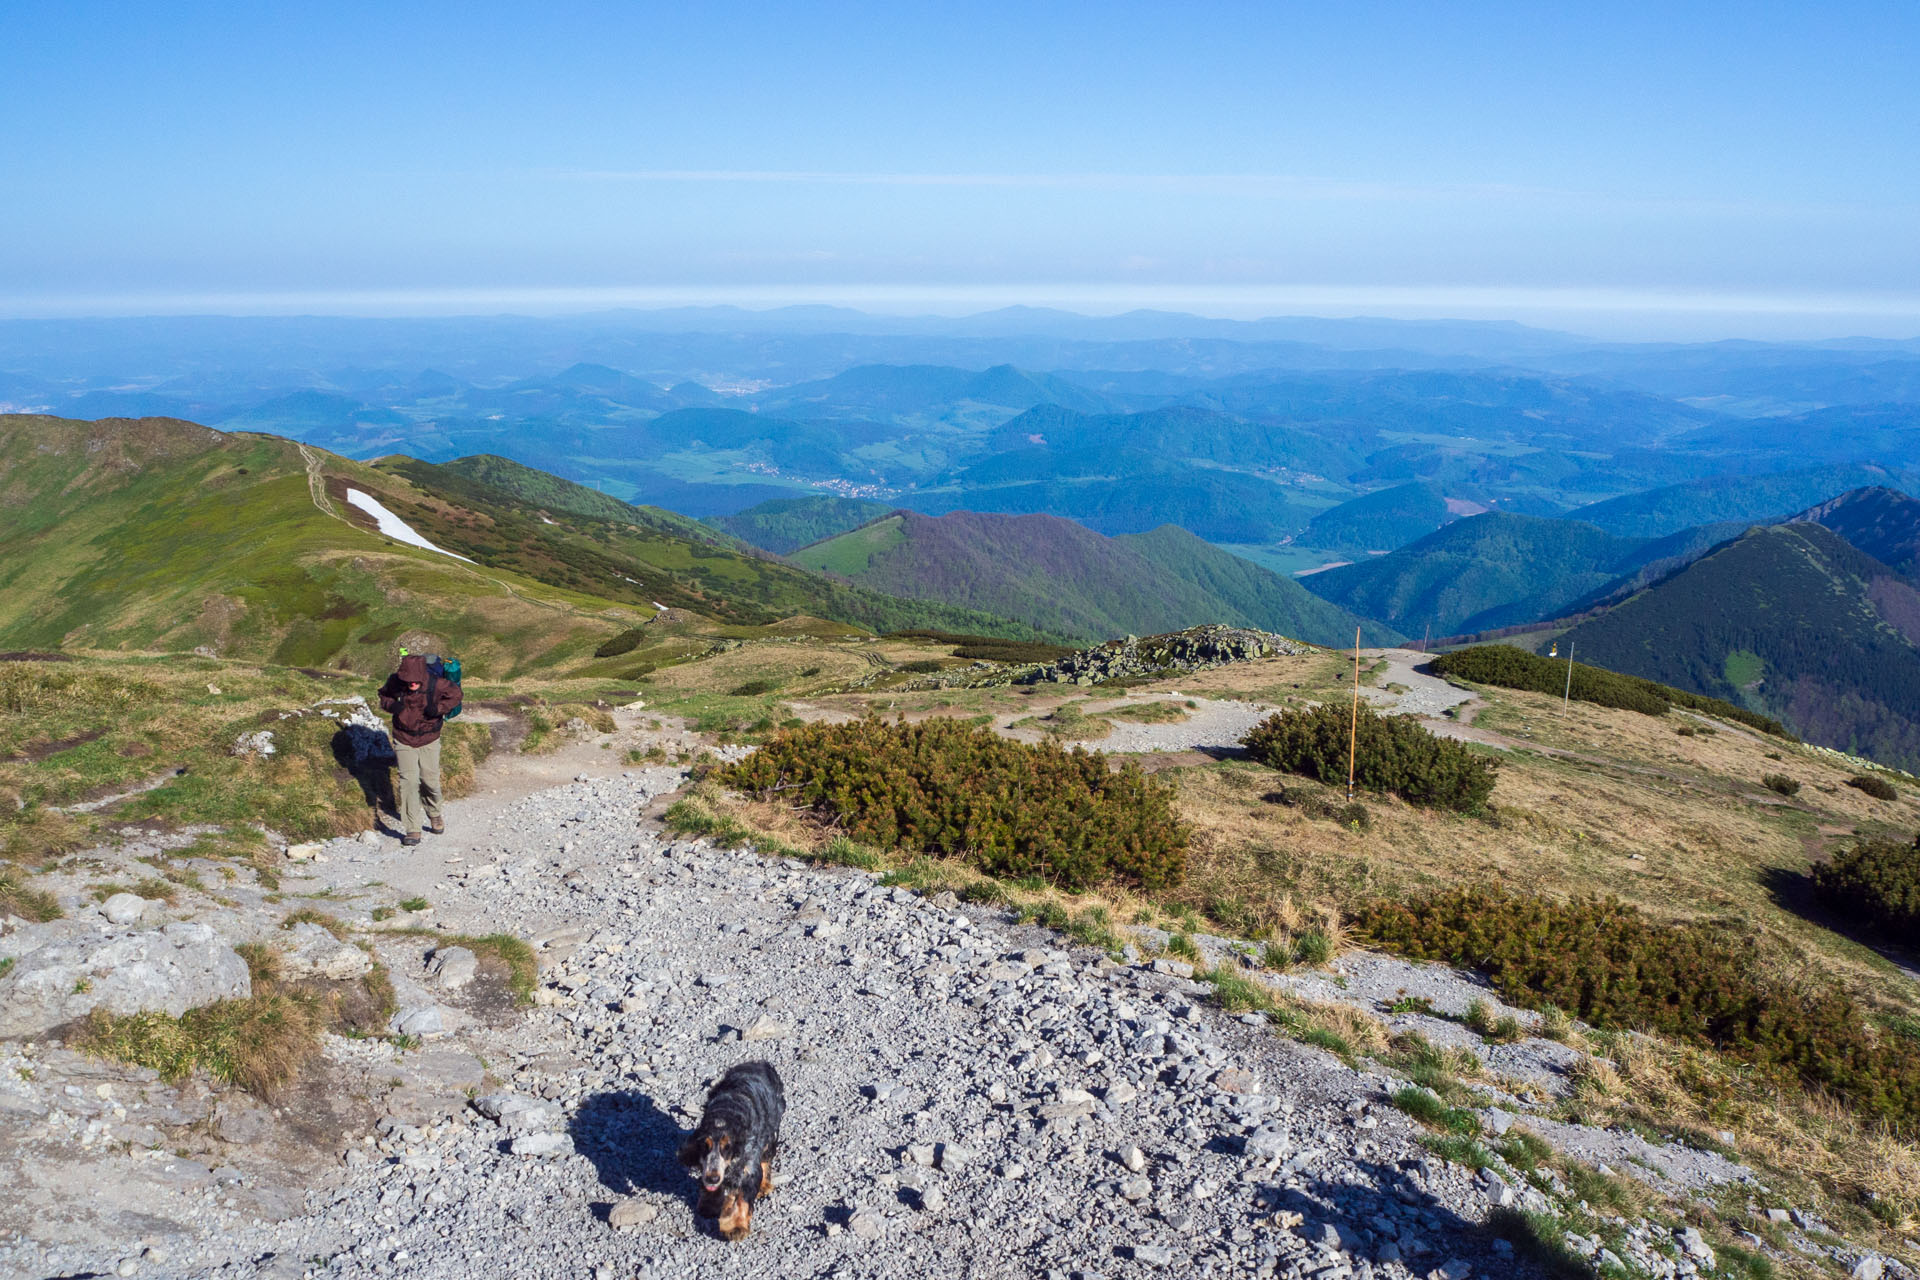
1566	699
1353	730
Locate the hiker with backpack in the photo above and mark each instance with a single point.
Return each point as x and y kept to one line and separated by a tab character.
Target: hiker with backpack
421	696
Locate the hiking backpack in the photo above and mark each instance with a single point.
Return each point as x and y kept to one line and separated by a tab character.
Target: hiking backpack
438	669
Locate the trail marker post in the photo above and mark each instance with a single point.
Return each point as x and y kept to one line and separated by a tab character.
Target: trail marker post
1353	728
1566	699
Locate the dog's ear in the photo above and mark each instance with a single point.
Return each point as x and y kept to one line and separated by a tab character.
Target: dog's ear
693	1151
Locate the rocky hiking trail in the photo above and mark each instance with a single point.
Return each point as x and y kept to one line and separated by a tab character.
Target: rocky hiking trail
966	1096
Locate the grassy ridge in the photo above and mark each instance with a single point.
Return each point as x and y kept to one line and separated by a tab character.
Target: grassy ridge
163	535
1064	578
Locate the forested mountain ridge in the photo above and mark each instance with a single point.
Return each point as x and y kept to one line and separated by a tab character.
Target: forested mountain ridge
1790	620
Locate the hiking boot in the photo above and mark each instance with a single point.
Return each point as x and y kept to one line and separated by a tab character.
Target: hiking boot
436	828
411	838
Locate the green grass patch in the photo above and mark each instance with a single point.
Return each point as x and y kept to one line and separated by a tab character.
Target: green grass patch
257	1044
17	898
1433	1112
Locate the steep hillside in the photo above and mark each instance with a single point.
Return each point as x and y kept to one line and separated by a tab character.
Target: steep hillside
1659	512
544	489
787	524
1487	571
1882	522
1791	621
1060	577
1380	521
163	534
1217	504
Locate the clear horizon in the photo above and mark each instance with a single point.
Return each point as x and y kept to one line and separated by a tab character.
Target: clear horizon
1650	173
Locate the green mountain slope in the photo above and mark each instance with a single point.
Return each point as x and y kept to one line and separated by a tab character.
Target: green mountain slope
1486	571
1064	578
1380	521
1882	522
626	562
544	489
1658	512
160	534
1791	621
787	524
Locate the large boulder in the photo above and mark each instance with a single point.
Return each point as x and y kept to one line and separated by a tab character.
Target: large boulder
172	970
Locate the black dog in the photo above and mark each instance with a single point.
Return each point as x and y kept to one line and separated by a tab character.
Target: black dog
731	1153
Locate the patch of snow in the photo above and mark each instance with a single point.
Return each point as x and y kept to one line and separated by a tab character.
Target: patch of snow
662	608
393	526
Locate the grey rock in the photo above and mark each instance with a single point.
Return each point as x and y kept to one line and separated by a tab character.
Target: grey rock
933	1200
309	951
952	1157
1694	1245
1869	1268
766	1028
453	967
541	1144
1266	1143
124	908
867	1224
422	1020
170	970
1133	1158
631	1213
1153	1255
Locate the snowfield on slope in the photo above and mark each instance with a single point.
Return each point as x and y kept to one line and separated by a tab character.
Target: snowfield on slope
393	526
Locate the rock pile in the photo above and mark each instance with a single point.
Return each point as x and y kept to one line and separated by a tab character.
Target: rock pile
1190	650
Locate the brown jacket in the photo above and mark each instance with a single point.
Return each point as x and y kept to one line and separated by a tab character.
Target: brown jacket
415	723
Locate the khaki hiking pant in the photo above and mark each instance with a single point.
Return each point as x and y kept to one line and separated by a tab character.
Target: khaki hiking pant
419	785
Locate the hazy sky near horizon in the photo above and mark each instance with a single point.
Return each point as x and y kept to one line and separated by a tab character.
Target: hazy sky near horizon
1680	168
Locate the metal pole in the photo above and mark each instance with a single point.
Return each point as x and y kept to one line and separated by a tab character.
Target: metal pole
1566	699
1353	730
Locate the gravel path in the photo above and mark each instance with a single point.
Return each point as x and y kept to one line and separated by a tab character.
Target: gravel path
965	1098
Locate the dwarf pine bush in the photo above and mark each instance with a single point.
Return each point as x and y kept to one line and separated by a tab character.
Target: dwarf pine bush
1876	883
951	789
1394	753
1611	966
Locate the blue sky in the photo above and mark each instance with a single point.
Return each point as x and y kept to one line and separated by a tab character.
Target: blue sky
1658	168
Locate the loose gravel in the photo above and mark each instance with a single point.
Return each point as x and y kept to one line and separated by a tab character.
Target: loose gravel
965	1099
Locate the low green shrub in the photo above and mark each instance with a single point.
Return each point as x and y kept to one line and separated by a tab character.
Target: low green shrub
626	642
755	688
1510	667
1877	883
1614	968
1877	787
1312	948
1781	783
921	666
1012	809
1392	753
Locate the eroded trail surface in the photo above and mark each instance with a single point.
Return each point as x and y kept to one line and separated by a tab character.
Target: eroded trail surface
965	1099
